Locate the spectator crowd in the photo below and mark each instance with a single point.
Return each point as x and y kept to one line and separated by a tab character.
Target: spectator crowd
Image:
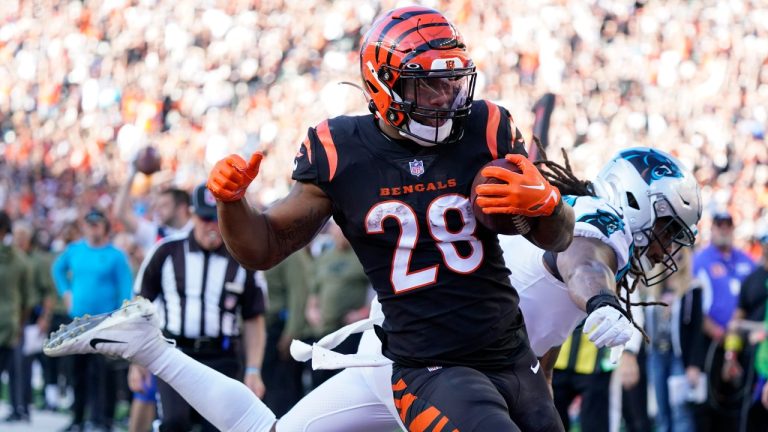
86	84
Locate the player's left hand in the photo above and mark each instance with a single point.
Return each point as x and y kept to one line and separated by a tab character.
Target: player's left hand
607	326
253	381
525	193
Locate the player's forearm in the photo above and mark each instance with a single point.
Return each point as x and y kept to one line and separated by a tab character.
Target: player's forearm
259	241
246	233
587	280
553	232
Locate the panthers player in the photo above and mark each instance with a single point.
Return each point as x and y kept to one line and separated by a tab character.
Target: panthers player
639	211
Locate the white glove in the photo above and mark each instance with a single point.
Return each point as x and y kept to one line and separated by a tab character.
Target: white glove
607	326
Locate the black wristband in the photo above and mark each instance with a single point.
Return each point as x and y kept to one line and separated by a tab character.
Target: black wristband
605	299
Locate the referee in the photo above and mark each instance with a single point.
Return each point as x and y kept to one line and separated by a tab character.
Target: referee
203	294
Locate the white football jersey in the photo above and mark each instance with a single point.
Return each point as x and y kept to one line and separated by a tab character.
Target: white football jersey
550	315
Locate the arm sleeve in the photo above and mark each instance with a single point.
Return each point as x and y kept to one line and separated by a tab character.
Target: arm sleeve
252	301
60	272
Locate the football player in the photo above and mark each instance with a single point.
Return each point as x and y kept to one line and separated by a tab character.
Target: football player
397	182
640	210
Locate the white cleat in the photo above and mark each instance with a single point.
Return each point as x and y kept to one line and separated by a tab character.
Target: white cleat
129	332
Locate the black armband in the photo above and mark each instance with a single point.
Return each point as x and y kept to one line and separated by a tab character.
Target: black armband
605	298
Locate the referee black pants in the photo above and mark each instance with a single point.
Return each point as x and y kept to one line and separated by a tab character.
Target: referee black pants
175	413
594	390
95	386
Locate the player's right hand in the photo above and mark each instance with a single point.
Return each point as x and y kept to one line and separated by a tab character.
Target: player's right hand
607	326
230	177
525	193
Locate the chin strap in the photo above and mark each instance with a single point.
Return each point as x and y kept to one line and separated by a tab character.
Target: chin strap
419	132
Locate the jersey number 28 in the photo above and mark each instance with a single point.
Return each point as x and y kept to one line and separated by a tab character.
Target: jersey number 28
401	276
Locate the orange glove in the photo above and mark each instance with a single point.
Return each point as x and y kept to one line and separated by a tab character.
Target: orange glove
231	176
525	193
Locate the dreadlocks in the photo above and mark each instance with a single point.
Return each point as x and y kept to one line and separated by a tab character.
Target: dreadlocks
562	177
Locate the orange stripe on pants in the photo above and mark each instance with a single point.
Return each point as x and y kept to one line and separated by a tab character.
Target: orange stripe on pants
440	424
424	419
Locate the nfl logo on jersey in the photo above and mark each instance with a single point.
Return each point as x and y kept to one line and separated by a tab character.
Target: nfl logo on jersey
417	167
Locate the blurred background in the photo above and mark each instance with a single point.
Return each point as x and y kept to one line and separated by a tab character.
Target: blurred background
86	84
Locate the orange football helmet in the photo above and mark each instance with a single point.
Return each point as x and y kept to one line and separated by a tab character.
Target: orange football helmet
418	75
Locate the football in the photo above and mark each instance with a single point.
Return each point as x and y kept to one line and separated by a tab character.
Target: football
147	161
498	223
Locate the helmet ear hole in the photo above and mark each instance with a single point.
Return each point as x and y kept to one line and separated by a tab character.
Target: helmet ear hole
371	87
631	201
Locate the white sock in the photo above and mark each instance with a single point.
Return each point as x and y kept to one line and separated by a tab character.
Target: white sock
227	404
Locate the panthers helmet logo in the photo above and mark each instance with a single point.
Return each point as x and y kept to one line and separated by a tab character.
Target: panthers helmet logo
607	222
652	165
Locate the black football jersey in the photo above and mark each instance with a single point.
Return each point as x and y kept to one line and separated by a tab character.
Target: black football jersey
405	208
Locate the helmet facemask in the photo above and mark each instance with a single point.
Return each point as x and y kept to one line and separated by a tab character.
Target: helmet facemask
417	75
663	238
660	200
434	104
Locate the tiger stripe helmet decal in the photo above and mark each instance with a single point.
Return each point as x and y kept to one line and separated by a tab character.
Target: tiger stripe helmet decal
409	55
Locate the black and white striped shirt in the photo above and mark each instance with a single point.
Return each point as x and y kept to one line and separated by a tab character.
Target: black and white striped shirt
199	293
